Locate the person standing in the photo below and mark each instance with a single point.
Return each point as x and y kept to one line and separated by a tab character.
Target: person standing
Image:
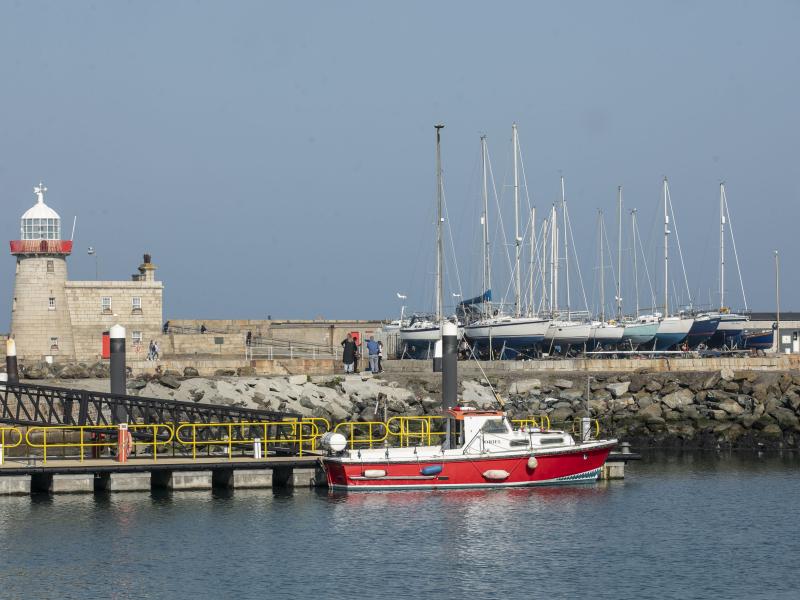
249	339
380	357
150	350
349	352
156	350
203	328
373	349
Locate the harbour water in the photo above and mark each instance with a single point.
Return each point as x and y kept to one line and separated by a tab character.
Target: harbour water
691	525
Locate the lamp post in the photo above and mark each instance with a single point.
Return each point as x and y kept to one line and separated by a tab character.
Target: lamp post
778	301
92	252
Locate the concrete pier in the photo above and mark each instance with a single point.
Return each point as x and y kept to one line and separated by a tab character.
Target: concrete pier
15	485
124	482
182	480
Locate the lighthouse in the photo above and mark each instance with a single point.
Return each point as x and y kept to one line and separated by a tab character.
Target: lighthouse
40	319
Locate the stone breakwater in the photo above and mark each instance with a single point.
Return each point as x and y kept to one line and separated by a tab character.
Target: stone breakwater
729	409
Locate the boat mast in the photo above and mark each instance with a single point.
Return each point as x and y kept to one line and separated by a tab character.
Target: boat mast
666	252
517	239
602	272
533	255
635	267
722	245
487	265
566	248
553	261
439	251
619	253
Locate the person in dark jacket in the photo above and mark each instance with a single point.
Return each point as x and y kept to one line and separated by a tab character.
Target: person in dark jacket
349	351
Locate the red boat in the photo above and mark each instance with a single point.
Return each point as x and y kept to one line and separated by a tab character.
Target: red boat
481	450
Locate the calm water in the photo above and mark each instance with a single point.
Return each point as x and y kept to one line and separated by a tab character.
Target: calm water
697	525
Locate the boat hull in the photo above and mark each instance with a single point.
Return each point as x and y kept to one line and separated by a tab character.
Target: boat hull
671	332
579	465
509	337
702	330
639	334
567	334
605	335
727	333
763	340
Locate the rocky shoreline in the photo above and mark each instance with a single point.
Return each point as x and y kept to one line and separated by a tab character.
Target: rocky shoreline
721	409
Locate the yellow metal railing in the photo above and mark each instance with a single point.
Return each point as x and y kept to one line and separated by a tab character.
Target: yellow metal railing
541	422
594	424
104	437
229	435
405	430
371	435
10	432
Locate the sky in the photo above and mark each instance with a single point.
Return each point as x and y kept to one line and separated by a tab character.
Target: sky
278	158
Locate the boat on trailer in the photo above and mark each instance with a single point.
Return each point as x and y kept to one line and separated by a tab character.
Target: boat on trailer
482	450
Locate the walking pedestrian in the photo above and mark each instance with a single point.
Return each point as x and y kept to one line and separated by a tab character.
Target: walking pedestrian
165	329
380	357
249	339
349	351
156	350
150	350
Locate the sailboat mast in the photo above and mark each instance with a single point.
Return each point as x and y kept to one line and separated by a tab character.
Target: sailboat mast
619	253
602	273
666	252
517	239
533	256
439	249
566	248
487	265
553	261
635	266
722	245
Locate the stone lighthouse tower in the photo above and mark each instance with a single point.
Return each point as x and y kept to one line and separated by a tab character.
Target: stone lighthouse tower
40	319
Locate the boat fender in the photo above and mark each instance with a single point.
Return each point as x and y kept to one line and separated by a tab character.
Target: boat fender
431	470
532	463
496	474
374	473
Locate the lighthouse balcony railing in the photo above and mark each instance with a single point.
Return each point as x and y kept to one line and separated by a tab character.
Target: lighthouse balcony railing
41	246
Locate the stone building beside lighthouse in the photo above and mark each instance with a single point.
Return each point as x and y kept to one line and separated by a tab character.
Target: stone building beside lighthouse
54	317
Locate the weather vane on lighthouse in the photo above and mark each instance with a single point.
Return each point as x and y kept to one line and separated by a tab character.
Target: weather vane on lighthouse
39	190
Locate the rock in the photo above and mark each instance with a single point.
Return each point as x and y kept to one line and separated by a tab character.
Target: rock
601	395
653	386
726	374
772	430
525	386
678	399
598	407
560	416
644	401
731	407
563	384
100	370
169	381
618	389
190	372
246	371
297	379
136	384
711	381
786	418
571	395
730	386
224	372
650	412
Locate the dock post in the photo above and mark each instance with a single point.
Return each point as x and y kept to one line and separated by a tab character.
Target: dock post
437	356
12	369
117	336
449	373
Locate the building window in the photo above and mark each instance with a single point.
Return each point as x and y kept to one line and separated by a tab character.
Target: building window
53	344
51	303
136	304
136	337
105	304
50	267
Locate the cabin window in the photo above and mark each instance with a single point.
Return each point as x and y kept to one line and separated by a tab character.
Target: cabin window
51	303
551	440
105	304
494	426
50	267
